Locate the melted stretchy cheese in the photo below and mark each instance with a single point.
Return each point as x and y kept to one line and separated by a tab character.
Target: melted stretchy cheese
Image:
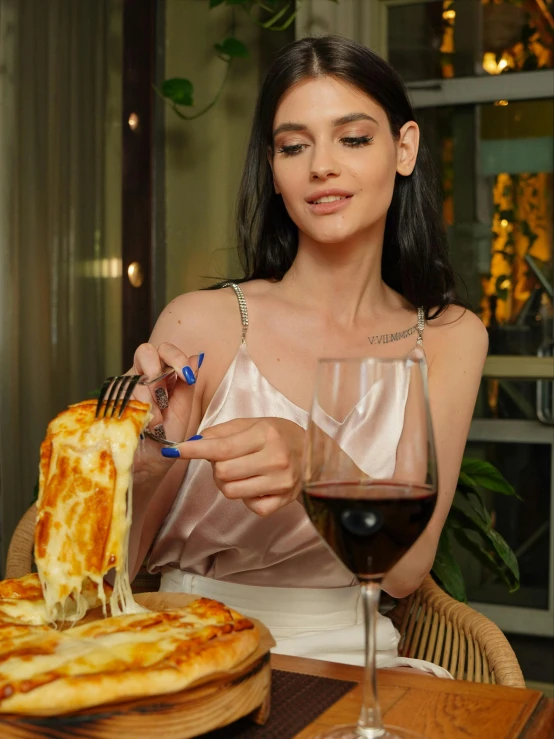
85	507
21	600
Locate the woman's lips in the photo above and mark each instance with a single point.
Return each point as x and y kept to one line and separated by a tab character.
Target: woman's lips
323	209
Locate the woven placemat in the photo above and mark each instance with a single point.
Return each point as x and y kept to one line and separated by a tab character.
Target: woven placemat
296	701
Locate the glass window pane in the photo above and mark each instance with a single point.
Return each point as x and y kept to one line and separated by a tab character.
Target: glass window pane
520	400
459	38
496	164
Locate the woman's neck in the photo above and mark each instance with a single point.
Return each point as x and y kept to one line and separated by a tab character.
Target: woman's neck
345	274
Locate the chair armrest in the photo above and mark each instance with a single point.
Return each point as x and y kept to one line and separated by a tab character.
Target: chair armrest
436	627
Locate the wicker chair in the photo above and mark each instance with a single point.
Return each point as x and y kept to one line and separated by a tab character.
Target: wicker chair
432	625
19	561
435	627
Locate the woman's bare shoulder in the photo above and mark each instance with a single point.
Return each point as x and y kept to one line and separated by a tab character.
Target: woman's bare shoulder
200	316
456	333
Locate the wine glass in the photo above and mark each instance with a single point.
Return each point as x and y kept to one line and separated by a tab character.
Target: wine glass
370	485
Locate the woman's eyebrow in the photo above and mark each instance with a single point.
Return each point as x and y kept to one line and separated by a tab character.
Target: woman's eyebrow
349	118
289	126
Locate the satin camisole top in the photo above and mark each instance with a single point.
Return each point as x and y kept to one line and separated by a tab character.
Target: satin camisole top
206	534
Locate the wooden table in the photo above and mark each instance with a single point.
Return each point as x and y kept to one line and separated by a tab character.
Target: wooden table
437	708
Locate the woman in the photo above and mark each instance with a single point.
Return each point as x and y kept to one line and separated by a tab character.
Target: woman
342	240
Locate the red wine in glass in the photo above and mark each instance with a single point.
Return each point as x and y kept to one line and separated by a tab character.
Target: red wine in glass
370	484
369	525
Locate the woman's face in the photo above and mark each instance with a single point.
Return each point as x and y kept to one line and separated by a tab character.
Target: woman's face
334	159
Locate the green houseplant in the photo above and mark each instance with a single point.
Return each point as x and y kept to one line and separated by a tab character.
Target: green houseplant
469	523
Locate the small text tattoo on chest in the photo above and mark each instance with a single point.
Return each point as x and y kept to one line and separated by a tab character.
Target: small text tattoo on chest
389	338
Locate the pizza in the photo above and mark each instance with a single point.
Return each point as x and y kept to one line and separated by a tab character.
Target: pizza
22	601
84	506
51	662
46	672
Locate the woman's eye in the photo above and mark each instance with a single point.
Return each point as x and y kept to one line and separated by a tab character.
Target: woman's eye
291	150
354	141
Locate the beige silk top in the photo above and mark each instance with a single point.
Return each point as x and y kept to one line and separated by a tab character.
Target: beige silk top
207	534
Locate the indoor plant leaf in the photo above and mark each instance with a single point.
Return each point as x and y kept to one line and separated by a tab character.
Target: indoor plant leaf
465	480
215	3
468	520
507	555
485	475
178	90
474	502
447	570
232	48
484	556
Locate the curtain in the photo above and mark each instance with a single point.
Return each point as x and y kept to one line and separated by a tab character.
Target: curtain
59	266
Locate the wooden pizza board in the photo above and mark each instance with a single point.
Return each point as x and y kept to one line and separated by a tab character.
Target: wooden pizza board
206	705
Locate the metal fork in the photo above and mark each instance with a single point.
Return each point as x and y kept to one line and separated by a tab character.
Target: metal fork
116	392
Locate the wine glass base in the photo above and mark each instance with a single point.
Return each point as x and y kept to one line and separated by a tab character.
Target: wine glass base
351	731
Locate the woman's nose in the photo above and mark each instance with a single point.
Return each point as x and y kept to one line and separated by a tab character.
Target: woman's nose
323	165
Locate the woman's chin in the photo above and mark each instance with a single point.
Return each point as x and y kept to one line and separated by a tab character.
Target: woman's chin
333	237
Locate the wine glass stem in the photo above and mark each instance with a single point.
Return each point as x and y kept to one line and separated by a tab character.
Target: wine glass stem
370	725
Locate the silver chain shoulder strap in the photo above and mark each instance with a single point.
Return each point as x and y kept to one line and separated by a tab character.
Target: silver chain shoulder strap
420	325
242	307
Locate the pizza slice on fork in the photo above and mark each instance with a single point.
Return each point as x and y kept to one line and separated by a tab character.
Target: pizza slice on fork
85	507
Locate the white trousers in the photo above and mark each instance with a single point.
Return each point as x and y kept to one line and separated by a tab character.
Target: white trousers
317	623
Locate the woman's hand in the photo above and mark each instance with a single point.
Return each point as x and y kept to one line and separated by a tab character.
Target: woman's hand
171	400
256	460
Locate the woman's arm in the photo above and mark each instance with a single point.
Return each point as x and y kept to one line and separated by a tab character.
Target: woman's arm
151	504
456	347
191	324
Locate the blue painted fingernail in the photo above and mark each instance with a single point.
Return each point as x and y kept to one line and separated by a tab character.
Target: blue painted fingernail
195	438
189	375
200	359
170	451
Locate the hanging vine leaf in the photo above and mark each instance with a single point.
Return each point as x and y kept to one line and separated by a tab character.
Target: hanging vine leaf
178	90
232	48
273	20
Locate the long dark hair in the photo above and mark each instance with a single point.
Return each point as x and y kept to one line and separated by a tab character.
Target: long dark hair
415	256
